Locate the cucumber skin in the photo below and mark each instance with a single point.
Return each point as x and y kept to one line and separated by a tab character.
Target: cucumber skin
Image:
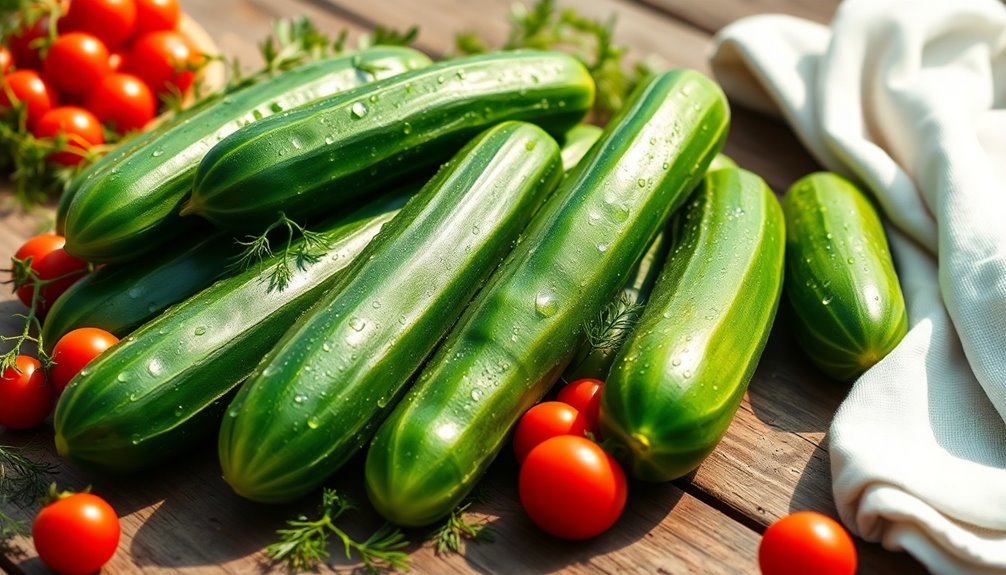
522	329
321	156
121	297
120	414
577	142
316	398
837	253
677	382
130	203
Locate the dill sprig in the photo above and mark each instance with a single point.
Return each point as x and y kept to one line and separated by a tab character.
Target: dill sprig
449	537
23	480
614	324
304	543
258	251
543	26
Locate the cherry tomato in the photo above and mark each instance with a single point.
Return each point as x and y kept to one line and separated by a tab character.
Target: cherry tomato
22	44
585	396
58	264
111	21
807	542
571	488
544	421
25	398
163	60
156	15
76	534
80	126
75	350
115	60
27	86
36	248
6	60
75	63
122	101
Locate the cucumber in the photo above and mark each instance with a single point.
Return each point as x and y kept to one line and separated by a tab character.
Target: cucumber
316	398
722	161
120	297
577	142
848	309
523	328
129	204
161	388
678	380
323	155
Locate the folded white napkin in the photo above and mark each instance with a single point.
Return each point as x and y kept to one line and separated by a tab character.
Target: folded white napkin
908	97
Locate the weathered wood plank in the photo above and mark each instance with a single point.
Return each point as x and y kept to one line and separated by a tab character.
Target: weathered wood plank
711	15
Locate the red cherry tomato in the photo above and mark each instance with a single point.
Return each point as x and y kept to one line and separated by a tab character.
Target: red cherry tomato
807	542
111	21
156	15
545	421
585	396
58	264
27	86
115	60
22	44
75	350
36	248
80	126
76	534
75	63
163	60
123	102
6	60
571	488
25	398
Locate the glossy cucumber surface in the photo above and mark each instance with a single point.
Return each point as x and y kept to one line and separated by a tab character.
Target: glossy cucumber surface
678	380
164	387
120	297
324	155
129	204
523	328
318	396
848	308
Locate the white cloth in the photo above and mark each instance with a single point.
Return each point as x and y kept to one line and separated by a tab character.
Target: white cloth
908	97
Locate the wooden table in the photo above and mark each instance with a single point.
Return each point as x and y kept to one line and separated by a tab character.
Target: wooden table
773	461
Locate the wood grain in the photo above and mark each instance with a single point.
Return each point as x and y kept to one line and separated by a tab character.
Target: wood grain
183	518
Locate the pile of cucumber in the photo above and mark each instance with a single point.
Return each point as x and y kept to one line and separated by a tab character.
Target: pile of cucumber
474	229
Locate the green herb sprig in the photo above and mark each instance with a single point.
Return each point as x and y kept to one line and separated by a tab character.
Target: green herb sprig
304	542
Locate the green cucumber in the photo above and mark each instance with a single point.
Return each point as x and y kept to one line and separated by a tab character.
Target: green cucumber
848	309
326	154
158	390
523	328
129	204
316	398
120	297
577	142
678	380
722	161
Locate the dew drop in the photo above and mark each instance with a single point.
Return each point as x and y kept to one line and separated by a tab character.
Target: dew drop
179	410
641	182
593	218
602	248
154	367
358	110
827	299
357	324
406	128
157	153
201	330
329	140
299	398
134	292
313	423
545	305
123	377
135	439
476	394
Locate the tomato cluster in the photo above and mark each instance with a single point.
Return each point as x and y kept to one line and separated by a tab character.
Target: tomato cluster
109	65
569	486
27	392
